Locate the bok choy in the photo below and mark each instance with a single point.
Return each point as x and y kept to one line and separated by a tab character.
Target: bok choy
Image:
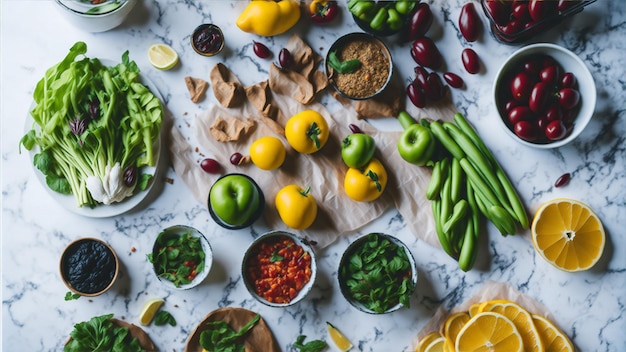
94	122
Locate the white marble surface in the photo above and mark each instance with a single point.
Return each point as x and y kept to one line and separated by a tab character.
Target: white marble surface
589	306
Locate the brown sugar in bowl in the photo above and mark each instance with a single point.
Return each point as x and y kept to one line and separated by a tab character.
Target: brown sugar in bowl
375	72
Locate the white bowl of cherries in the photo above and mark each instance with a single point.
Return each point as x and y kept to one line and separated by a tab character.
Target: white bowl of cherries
545	95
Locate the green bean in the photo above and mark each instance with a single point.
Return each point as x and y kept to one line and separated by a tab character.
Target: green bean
456	176
458	213
477	158
436	180
518	208
443	239
479	184
469	250
444	138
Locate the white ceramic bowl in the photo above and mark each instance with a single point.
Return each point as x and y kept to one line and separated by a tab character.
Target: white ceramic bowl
345	262
178	230
570	62
85	16
248	259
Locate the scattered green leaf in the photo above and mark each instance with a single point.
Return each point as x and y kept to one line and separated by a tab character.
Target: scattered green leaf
70	296
164	317
100	334
311	346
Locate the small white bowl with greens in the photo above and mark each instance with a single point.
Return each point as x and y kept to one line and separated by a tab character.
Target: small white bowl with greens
181	257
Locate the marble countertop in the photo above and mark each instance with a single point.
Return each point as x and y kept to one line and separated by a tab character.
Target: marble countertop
588	306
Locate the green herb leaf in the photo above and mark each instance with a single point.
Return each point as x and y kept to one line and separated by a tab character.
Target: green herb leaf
348	66
70	296
311	346
221	338
276	257
99	334
164	317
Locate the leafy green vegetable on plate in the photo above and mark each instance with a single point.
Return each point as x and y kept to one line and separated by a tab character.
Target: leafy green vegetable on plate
101	334
220	337
95	127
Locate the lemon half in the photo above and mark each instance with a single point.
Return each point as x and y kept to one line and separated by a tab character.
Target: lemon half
162	56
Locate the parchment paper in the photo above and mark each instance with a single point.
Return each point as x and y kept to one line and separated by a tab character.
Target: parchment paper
323	171
488	291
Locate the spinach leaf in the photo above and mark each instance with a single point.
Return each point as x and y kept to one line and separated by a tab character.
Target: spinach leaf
311	346
70	296
164	317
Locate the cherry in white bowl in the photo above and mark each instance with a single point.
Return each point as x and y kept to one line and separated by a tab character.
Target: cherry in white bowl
545	95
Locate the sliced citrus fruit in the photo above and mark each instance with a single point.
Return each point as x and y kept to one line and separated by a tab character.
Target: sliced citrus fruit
489	331
523	322
149	310
568	234
484	306
474	309
426	340
436	345
554	340
340	340
162	56
454	323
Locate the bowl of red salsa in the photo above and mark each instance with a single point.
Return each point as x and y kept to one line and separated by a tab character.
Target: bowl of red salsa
279	269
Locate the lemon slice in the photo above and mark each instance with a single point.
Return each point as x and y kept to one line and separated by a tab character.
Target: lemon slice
342	342
436	345
523	322
426	340
554	340
568	234
489	331
149	310
453	325
162	56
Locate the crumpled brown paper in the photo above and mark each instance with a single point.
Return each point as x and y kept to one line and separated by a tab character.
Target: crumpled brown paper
227	88
231	129
488	291
302	81
259	338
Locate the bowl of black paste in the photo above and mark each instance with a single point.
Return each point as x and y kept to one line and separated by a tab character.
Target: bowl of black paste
89	266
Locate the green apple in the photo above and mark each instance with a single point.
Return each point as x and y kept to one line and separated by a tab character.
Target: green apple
234	199
357	149
416	144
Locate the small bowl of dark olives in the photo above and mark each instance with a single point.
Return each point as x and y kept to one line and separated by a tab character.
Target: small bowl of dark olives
207	39
545	95
89	266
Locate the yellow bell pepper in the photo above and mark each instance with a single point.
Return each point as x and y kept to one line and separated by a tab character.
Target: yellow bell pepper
366	184
296	207
268	17
307	131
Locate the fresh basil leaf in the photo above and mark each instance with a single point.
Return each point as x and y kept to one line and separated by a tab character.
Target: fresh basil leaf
276	257
70	296
164	317
348	66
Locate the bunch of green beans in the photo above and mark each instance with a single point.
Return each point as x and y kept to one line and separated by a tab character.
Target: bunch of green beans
466	183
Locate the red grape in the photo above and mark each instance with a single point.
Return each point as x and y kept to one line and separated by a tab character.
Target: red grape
470	60
210	166
555	130
453	80
261	50
426	53
421	20
469	22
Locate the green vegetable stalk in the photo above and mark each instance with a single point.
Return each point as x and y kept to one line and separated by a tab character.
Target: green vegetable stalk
91	120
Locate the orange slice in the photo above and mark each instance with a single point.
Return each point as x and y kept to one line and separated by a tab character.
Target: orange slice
489	331
568	234
426	340
474	309
554	340
523	322
453	325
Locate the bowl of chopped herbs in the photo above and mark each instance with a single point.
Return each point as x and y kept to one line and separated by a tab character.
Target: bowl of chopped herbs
377	274
359	66
181	257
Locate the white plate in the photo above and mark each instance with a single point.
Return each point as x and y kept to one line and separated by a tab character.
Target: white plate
103	211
